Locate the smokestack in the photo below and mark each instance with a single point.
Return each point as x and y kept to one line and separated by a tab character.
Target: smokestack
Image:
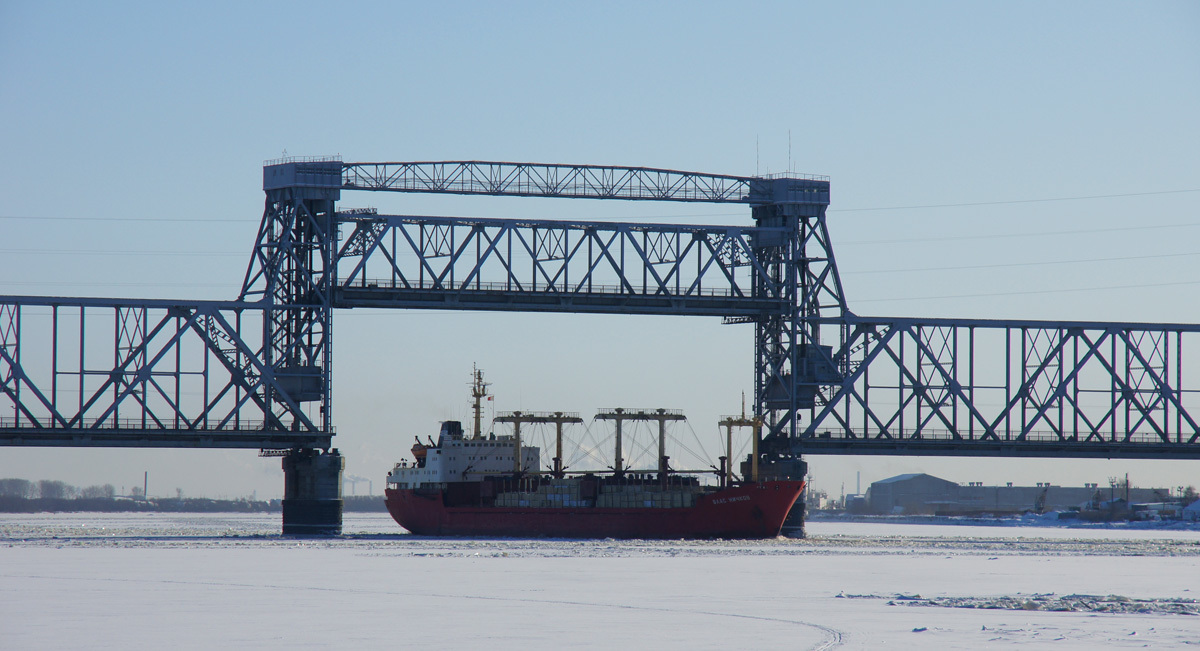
858	483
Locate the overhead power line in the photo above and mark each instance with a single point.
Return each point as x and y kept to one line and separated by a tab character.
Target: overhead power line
144	220
1024	293
158	220
1022	264
1013	201
73	283
992	236
201	254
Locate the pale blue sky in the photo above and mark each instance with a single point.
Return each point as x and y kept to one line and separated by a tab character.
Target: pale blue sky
133	136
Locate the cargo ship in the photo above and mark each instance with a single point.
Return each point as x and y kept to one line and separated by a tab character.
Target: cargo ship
475	485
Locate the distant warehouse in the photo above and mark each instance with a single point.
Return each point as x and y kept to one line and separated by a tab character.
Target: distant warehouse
923	494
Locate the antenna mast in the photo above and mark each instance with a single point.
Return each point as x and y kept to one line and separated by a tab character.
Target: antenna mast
478	392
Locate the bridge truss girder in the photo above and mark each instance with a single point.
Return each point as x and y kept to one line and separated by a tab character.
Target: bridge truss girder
548	265
132	373
1009	388
552	180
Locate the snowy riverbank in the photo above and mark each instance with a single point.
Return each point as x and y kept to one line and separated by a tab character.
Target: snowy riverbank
229	580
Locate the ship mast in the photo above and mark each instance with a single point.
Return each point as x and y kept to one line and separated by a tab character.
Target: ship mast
620	415
478	392
730	422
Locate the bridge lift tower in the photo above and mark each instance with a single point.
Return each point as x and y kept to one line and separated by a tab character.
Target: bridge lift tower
257	372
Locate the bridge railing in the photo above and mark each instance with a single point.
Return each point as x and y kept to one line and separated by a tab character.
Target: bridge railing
548	288
136	424
1034	436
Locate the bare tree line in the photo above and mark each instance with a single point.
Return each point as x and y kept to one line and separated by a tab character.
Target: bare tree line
54	489
24	496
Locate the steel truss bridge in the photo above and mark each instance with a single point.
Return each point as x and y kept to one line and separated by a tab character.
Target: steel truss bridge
256	372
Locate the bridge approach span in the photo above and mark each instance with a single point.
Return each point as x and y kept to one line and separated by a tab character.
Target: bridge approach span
1021	388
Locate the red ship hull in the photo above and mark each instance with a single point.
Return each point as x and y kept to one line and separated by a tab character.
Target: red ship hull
750	511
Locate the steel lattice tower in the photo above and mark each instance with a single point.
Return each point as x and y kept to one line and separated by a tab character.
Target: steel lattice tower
292	272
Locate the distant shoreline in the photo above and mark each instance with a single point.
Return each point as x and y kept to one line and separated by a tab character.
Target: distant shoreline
1047	520
351	504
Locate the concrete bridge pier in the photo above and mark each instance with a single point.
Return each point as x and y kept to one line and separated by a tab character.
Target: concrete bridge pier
312	494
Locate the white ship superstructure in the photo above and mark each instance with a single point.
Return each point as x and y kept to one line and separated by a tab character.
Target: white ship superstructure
457	458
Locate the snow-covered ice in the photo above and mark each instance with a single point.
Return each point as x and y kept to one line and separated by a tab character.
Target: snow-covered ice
215	580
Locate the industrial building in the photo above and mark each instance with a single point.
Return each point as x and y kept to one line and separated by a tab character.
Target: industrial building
922	494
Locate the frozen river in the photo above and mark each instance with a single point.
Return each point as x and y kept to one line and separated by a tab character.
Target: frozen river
218	580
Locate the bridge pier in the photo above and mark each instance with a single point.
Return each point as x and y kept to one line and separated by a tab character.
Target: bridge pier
312	494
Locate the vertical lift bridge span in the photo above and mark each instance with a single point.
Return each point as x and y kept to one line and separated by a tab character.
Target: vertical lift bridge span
256	372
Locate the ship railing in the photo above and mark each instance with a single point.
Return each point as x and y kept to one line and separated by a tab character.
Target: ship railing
529	416
642	411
